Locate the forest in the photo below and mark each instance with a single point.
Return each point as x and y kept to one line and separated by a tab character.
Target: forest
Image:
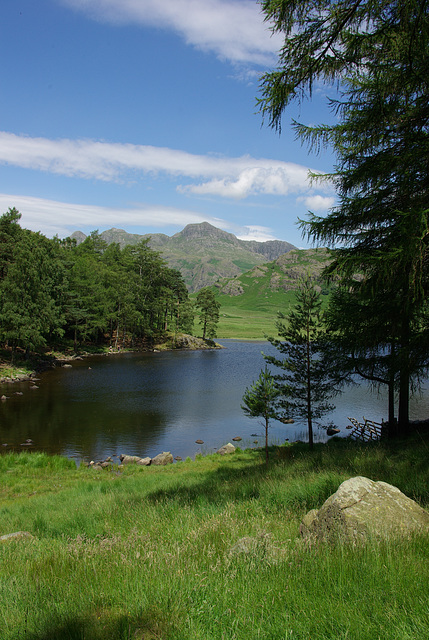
53	290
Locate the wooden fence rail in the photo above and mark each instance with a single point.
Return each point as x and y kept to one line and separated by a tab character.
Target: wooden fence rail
366	431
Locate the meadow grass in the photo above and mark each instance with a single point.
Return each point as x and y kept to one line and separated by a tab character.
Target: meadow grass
246	323
206	549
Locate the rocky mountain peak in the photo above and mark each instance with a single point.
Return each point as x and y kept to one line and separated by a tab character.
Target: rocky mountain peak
204	230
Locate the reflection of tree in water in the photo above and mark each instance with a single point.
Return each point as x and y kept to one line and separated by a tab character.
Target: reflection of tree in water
150	402
57	424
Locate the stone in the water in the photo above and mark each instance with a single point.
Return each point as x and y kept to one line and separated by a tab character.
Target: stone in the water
237	439
178	458
128	459
163	458
199	441
144	462
331	431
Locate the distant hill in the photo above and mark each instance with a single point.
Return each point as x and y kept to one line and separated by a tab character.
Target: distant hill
279	276
201	252
251	301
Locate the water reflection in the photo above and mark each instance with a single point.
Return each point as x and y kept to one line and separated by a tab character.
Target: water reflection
145	403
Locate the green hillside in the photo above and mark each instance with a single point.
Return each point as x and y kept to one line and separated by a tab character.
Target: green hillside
202	253
250	302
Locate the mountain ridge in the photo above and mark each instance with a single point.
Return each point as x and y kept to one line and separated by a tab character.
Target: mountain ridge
201	252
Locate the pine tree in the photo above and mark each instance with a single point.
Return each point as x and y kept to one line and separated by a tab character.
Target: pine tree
208	308
259	401
379	53
307	383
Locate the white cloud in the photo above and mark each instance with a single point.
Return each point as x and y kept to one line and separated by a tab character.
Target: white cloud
62	218
94	159
318	202
233	30
277	179
255	232
107	161
52	217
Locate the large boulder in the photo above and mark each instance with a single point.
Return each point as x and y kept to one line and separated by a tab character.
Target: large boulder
125	459
163	458
144	462
227	448
362	507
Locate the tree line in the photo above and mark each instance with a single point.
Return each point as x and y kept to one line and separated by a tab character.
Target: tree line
53	290
376	54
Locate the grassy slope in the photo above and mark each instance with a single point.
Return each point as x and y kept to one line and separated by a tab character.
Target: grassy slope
266	291
147	554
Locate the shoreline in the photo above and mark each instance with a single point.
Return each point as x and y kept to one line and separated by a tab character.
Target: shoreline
45	362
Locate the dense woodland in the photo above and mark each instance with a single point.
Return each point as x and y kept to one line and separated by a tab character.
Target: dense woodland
52	290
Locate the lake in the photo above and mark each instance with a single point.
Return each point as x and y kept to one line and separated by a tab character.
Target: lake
145	403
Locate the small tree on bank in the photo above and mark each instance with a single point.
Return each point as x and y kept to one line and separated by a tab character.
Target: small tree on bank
306	383
208	309
259	401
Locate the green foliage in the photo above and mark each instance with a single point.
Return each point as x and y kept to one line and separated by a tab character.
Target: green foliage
50	289
259	401
208	308
379	52
32	286
307	382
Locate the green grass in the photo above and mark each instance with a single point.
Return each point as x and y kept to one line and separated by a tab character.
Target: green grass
151	553
235	322
266	290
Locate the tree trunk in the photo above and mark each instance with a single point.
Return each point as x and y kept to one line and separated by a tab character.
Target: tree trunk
117	334
309	420
404	379
266	439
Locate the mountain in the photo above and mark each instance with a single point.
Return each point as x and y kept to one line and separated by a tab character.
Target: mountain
251	301
201	252
278	276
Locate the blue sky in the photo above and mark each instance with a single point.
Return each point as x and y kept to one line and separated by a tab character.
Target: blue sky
141	114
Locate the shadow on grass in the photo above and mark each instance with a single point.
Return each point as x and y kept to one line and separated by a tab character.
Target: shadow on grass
102	628
299	477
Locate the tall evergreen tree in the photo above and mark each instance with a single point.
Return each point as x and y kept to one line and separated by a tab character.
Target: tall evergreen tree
307	383
379	52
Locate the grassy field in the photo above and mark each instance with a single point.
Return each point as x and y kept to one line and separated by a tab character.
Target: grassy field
250	316
245	323
158	552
